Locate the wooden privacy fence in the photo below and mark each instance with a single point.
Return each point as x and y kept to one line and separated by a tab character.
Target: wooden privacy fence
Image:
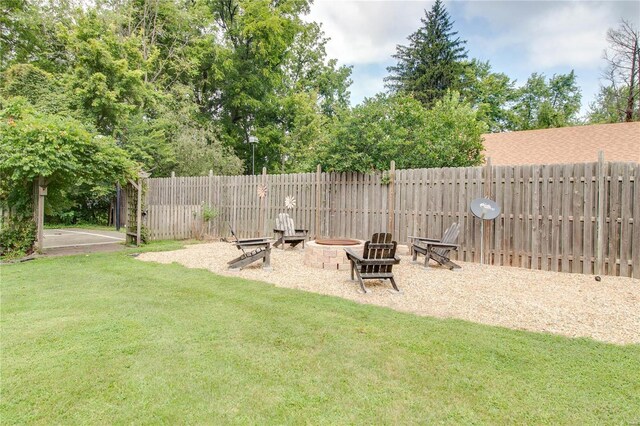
571	218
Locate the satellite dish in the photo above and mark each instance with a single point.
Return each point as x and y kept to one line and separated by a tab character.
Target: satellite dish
485	208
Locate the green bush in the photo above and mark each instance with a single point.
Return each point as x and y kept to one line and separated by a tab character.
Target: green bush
17	238
209	213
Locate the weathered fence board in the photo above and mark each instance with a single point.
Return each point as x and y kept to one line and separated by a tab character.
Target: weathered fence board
582	218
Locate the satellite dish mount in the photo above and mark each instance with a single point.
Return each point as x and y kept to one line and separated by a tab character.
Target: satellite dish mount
484	209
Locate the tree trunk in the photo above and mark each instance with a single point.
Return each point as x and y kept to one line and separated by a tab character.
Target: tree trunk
632	83
638	82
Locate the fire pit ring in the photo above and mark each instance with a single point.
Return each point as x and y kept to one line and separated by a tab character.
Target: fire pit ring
338	242
329	253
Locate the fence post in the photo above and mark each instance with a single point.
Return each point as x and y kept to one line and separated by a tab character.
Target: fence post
234	206
392	199
318	202
488	224
209	191
40	193
172	206
600	176
139	214
36	199
262	219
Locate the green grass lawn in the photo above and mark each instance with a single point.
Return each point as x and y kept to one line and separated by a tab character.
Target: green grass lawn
105	338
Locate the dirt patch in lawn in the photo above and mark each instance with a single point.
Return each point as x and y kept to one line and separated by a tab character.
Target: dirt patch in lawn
572	305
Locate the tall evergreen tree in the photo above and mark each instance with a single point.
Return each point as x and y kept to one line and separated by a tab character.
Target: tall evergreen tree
433	62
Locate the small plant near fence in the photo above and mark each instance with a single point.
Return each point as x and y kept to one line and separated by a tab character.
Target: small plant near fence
200	224
386	178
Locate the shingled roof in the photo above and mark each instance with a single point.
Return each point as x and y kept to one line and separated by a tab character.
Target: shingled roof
580	144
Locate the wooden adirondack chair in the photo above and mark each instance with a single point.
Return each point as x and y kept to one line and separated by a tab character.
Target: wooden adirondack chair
376	261
253	249
437	250
286	232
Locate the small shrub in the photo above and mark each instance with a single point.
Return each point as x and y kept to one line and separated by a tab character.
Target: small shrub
386	178
144	235
17	238
208	213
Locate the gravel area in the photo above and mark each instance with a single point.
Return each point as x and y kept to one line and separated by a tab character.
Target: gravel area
572	305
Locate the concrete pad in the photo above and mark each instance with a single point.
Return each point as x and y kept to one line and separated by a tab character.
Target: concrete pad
75	240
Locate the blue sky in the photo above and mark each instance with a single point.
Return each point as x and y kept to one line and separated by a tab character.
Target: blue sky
516	37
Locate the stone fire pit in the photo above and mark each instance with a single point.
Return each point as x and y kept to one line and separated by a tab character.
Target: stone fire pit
329	254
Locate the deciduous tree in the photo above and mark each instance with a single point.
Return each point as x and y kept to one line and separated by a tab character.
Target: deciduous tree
623	67
541	104
60	149
609	105
491	94
400	128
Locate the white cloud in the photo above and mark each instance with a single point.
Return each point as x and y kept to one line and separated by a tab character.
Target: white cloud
549	34
364	32
573	36
518	37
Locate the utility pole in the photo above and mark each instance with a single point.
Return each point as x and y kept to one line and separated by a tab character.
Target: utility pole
253	141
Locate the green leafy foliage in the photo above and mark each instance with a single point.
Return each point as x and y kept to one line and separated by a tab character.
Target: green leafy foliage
126	70
122	75
541	104
491	94
57	148
610	106
177	139
306	69
198	151
454	133
267	61
17	237
209	213
399	128
106	78
181	85
17	32
43	90
65	153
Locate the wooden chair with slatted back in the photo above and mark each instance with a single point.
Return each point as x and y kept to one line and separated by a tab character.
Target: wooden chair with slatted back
253	249
437	249
286	232
376	261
